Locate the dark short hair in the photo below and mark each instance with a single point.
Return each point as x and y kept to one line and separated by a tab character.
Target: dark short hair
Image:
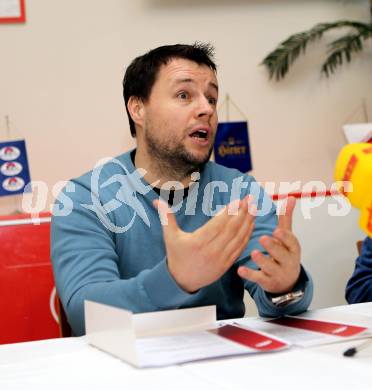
141	74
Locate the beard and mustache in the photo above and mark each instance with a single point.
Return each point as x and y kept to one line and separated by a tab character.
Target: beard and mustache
173	158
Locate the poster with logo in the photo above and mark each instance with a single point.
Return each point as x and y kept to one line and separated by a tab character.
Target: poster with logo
12	11
14	171
231	147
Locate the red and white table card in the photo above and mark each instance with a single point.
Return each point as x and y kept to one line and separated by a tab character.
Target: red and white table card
171	337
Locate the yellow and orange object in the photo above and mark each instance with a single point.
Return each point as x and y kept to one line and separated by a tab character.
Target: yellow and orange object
354	165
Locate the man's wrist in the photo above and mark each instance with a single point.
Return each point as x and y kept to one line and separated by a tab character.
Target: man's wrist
292	295
187	287
286	299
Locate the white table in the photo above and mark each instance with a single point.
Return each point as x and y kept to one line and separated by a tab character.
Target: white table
72	364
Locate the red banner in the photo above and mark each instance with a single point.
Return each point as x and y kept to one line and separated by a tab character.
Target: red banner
27	294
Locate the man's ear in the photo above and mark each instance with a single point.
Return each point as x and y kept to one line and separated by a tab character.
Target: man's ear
136	110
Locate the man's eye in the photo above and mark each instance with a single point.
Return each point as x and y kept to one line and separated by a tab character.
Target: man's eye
183	95
212	101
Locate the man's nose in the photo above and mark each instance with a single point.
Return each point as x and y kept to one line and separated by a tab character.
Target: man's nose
205	108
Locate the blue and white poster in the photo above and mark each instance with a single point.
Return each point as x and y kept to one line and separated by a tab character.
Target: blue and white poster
14	170
231	147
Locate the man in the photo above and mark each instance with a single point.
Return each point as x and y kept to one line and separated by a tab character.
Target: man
161	227
359	287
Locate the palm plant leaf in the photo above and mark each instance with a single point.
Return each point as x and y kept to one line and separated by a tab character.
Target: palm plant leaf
343	48
278	61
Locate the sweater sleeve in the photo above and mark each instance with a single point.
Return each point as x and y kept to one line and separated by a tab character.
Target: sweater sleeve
359	287
85	266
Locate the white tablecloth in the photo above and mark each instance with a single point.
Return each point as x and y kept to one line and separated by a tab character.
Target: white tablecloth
72	364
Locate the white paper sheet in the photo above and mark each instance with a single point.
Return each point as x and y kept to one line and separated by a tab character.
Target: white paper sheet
167	350
192	346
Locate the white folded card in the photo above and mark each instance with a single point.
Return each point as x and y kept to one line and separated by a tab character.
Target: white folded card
170	337
358	132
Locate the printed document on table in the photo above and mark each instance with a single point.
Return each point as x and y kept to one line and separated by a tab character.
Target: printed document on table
227	340
305	332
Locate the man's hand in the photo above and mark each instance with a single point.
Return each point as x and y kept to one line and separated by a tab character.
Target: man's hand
199	258
280	270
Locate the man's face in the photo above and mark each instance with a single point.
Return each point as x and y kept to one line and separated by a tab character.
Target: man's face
180	118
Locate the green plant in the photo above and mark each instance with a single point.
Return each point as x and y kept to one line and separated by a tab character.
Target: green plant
280	59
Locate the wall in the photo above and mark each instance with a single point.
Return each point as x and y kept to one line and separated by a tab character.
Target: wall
61	72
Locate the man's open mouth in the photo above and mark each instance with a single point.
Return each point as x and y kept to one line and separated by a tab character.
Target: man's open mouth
201	133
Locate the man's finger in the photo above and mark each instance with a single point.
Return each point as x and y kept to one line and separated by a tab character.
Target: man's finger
234	224
235	255
288	239
254	276
215	225
276	250
286	214
225	222
265	263
233	247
